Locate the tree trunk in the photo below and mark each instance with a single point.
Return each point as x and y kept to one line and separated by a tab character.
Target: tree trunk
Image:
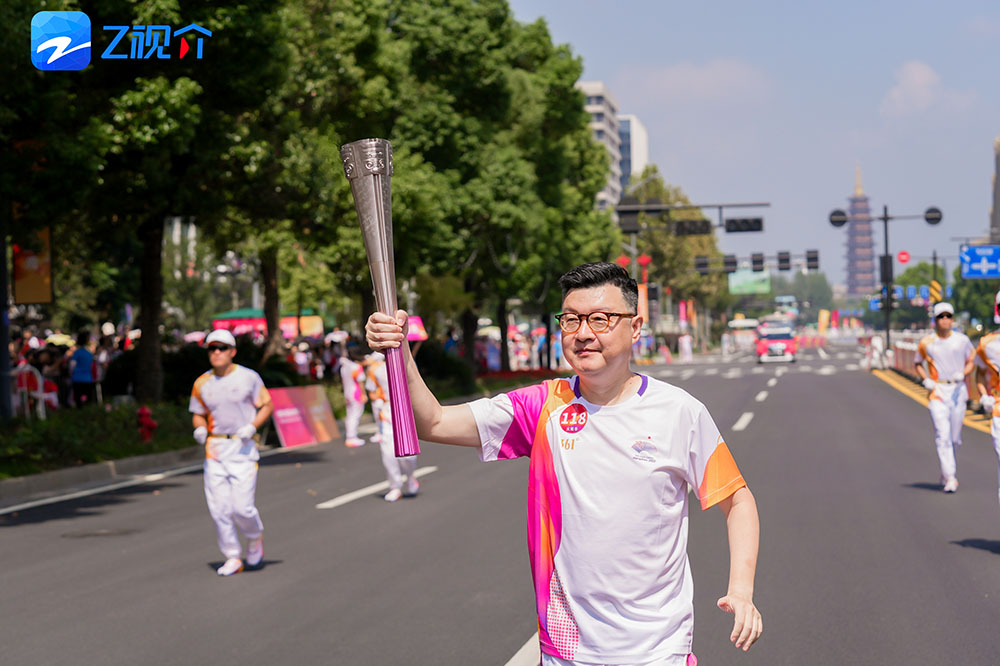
149	367
469	325
504	348
272	308
547	349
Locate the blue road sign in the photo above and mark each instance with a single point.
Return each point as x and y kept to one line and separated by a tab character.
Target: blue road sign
875	304
925	292
948	291
897	292
980	262
911	291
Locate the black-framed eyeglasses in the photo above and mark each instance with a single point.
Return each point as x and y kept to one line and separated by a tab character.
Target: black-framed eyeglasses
218	348
598	322
945	314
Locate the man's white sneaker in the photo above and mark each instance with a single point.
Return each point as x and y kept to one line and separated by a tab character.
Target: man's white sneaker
393	495
375	439
951	485
354	442
232	566
255	552
412	486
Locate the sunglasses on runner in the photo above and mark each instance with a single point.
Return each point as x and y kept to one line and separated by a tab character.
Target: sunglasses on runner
218	348
598	321
945	314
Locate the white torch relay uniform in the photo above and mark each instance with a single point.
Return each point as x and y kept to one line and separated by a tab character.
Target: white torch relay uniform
608	514
352	376
395	468
228	403
988	357
946	359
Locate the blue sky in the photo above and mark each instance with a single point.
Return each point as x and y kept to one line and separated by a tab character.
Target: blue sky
779	101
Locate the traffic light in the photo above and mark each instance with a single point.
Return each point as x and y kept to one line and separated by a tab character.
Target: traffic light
692	227
784	261
729	263
885	264
757	260
654	292
736	224
935	289
812	260
701	265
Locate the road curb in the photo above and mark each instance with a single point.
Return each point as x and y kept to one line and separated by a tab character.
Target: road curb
44	484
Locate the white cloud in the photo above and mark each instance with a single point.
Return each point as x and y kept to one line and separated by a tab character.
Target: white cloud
918	88
690	84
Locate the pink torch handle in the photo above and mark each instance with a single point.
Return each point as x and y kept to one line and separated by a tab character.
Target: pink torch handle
404	428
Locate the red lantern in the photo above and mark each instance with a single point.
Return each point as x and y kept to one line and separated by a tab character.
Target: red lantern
624	261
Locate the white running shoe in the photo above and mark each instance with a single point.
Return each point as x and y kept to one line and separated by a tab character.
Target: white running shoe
951	485
354	442
233	565
393	495
412	485
375	439
255	552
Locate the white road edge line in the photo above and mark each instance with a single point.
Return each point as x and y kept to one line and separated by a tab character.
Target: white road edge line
368	490
772	381
743	421
761	397
822	354
528	655
134	481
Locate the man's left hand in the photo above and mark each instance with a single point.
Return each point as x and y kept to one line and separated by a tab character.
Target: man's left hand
747	623
247	431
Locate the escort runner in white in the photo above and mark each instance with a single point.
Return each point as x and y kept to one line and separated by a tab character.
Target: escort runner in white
949	356
229	403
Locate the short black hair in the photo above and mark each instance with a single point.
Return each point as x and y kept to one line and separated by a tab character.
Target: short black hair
600	273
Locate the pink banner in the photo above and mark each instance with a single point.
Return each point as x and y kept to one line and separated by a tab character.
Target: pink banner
302	416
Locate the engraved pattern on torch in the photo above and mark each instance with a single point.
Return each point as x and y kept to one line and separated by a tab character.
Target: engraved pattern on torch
368	167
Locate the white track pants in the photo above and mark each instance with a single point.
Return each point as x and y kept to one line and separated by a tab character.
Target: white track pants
395	468
353	418
230	486
947	415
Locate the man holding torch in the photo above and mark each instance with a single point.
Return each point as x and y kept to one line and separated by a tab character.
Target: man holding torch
613	455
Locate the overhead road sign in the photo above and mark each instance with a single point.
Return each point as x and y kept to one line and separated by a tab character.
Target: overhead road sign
980	262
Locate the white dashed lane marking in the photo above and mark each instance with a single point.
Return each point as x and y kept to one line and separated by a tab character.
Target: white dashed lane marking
772	381
743	421
761	397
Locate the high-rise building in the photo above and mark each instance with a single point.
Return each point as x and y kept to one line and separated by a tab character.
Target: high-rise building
861	278
603	110
634	148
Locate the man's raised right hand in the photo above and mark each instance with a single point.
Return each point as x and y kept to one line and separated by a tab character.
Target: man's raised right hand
383	332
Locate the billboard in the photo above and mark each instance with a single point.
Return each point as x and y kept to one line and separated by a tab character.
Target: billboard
33	271
745	281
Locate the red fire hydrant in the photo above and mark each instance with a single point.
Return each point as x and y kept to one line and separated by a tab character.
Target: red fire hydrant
146	423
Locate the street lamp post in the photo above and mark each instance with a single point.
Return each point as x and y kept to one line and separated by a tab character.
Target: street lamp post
932	215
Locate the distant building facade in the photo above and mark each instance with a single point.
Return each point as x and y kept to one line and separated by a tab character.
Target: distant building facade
603	110
634	148
861	263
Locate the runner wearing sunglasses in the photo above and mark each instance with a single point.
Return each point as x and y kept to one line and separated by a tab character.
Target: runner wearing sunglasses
613	457
229	403
949	355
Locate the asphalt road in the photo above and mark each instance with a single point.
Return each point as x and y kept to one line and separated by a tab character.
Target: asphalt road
863	560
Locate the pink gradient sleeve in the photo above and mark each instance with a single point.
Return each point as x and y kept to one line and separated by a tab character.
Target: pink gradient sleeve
507	422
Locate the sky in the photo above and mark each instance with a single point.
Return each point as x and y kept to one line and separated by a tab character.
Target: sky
781	101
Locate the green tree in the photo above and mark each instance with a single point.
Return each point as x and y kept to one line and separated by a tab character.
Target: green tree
975	297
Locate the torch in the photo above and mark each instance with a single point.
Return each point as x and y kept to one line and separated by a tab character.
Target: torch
368	166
